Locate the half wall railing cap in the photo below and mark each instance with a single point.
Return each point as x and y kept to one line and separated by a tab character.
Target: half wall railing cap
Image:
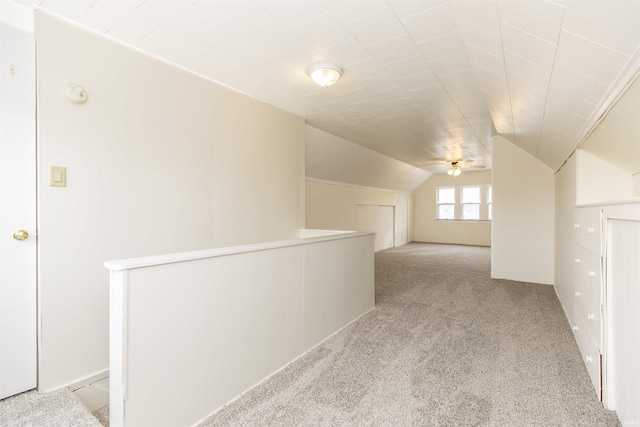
141	262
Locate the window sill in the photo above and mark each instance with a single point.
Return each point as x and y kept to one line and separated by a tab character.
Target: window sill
465	220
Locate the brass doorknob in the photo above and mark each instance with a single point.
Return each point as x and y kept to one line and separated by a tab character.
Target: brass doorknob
20	235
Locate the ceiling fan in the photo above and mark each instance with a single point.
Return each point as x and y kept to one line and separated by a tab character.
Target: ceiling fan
456	165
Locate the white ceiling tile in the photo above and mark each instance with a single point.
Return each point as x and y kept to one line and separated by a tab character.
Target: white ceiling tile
366	69
418	81
428	93
461	77
394	50
408	67
527	70
133	26
615	24
481	58
540	18
346	53
181	16
292	13
442	47
482	13
451	64
70	9
431	23
103	14
227	19
538	51
376	27
480	38
348	10
582	56
576	104
404	8
322	31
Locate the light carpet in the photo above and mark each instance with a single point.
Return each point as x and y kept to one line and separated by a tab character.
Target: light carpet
56	409
446	345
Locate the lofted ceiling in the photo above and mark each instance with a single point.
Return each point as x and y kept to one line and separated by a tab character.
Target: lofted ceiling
422	79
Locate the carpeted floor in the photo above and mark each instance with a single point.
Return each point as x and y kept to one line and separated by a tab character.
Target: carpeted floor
56	409
446	345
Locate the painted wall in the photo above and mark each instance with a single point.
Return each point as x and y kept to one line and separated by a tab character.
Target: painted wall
565	201
158	161
428	229
523	216
635	185
600	181
333	206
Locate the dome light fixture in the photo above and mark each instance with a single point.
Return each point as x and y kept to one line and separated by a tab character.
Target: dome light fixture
325	74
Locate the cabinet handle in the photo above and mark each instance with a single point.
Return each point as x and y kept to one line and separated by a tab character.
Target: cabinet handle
591	230
591	316
577	260
591	273
577	293
575	328
576	225
589	359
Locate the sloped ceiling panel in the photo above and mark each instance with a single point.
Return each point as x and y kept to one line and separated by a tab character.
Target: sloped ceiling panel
331	158
422	79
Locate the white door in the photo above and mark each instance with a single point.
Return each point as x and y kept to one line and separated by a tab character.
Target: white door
18	340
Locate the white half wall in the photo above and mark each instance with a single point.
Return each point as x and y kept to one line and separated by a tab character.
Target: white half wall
428	229
158	160
523	216
334	206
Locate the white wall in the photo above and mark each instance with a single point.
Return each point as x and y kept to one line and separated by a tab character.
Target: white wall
158	160
523	216
428	229
600	181
565	201
635	185
333	206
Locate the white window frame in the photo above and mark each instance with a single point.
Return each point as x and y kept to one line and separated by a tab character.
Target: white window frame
484	208
454	204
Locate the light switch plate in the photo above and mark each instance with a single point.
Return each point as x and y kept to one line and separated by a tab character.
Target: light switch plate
57	176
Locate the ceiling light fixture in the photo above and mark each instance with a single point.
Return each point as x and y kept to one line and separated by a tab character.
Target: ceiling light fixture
325	74
455	169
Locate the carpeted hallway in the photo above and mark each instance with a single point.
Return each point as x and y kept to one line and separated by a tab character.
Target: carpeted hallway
446	345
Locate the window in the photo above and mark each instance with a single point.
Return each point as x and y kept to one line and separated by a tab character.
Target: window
470	203
464	202
446	201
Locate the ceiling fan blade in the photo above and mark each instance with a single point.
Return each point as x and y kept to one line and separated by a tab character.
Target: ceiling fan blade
436	161
473	166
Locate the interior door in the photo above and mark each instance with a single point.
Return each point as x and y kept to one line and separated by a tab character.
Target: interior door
18	339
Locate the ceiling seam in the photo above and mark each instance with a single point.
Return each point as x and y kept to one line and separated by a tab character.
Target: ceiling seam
506	77
546	97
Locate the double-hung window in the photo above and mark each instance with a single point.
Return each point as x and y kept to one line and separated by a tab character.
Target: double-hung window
470	201
464	203
446	201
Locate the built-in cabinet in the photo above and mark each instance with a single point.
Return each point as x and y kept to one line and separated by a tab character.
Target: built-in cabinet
606	285
589	290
